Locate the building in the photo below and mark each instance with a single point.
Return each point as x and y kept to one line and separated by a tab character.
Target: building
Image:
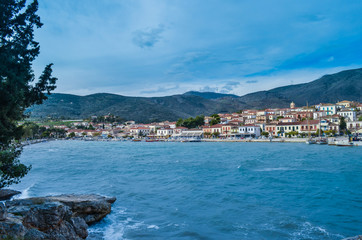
330	109
349	115
249	131
139	131
292	105
164	132
345	104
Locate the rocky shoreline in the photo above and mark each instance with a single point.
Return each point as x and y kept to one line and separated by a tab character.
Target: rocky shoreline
62	217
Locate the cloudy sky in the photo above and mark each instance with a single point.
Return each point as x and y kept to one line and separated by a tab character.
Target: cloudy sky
159	48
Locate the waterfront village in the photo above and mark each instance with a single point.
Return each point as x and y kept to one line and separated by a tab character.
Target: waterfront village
341	118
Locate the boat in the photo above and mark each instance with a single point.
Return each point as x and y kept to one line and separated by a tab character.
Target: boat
310	141
343	143
320	140
191	140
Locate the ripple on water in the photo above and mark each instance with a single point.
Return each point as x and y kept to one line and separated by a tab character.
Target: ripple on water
206	190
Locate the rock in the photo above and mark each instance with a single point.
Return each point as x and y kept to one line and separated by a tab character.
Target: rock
6	194
60	217
359	237
80	227
33	234
12	228
92	208
3	212
46	216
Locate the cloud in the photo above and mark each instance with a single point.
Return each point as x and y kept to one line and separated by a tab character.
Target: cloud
252	81
160	90
99	45
149	37
229	86
330	59
209	89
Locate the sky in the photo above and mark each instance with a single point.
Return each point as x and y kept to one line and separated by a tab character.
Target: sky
160	48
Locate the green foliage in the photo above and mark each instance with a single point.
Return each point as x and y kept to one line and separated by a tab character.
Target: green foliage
330	132
71	135
215	119
279	117
292	133
265	134
108	119
216	134
11	169
317	132
17	88
30	130
360	118
191	122
343	125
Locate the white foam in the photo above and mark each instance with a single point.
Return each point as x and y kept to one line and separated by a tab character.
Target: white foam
24	193
273	169
308	231
153	227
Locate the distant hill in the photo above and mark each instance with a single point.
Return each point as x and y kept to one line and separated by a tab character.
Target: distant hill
345	85
140	109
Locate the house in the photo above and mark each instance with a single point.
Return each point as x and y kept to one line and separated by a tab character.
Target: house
330	109
283	128
164	132
349	115
226	129
217	128
319	114
354	126
189	134
271	129
313	126
250	121
249	131
178	130
287	120
140	131
344	104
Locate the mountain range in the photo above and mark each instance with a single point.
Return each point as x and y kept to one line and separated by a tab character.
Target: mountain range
345	85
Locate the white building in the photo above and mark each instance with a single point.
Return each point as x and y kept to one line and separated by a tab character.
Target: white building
164	132
249	130
354	126
330	109
138	131
349	115
319	114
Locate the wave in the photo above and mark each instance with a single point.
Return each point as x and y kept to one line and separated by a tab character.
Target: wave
308	231
274	169
24	193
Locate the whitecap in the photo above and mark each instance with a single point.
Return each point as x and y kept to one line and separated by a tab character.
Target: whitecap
153	227
24	193
307	230
273	169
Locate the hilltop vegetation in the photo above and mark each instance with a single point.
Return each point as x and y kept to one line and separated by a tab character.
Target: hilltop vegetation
345	85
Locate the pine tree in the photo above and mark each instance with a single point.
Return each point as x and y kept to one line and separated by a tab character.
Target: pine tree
18	50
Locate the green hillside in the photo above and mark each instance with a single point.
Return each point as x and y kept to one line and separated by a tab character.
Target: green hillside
345	85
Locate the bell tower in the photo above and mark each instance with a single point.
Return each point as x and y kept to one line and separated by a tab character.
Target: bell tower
292	105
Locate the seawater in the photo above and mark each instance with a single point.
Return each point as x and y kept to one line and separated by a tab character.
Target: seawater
206	190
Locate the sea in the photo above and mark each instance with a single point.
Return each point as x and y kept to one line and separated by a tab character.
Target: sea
214	190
